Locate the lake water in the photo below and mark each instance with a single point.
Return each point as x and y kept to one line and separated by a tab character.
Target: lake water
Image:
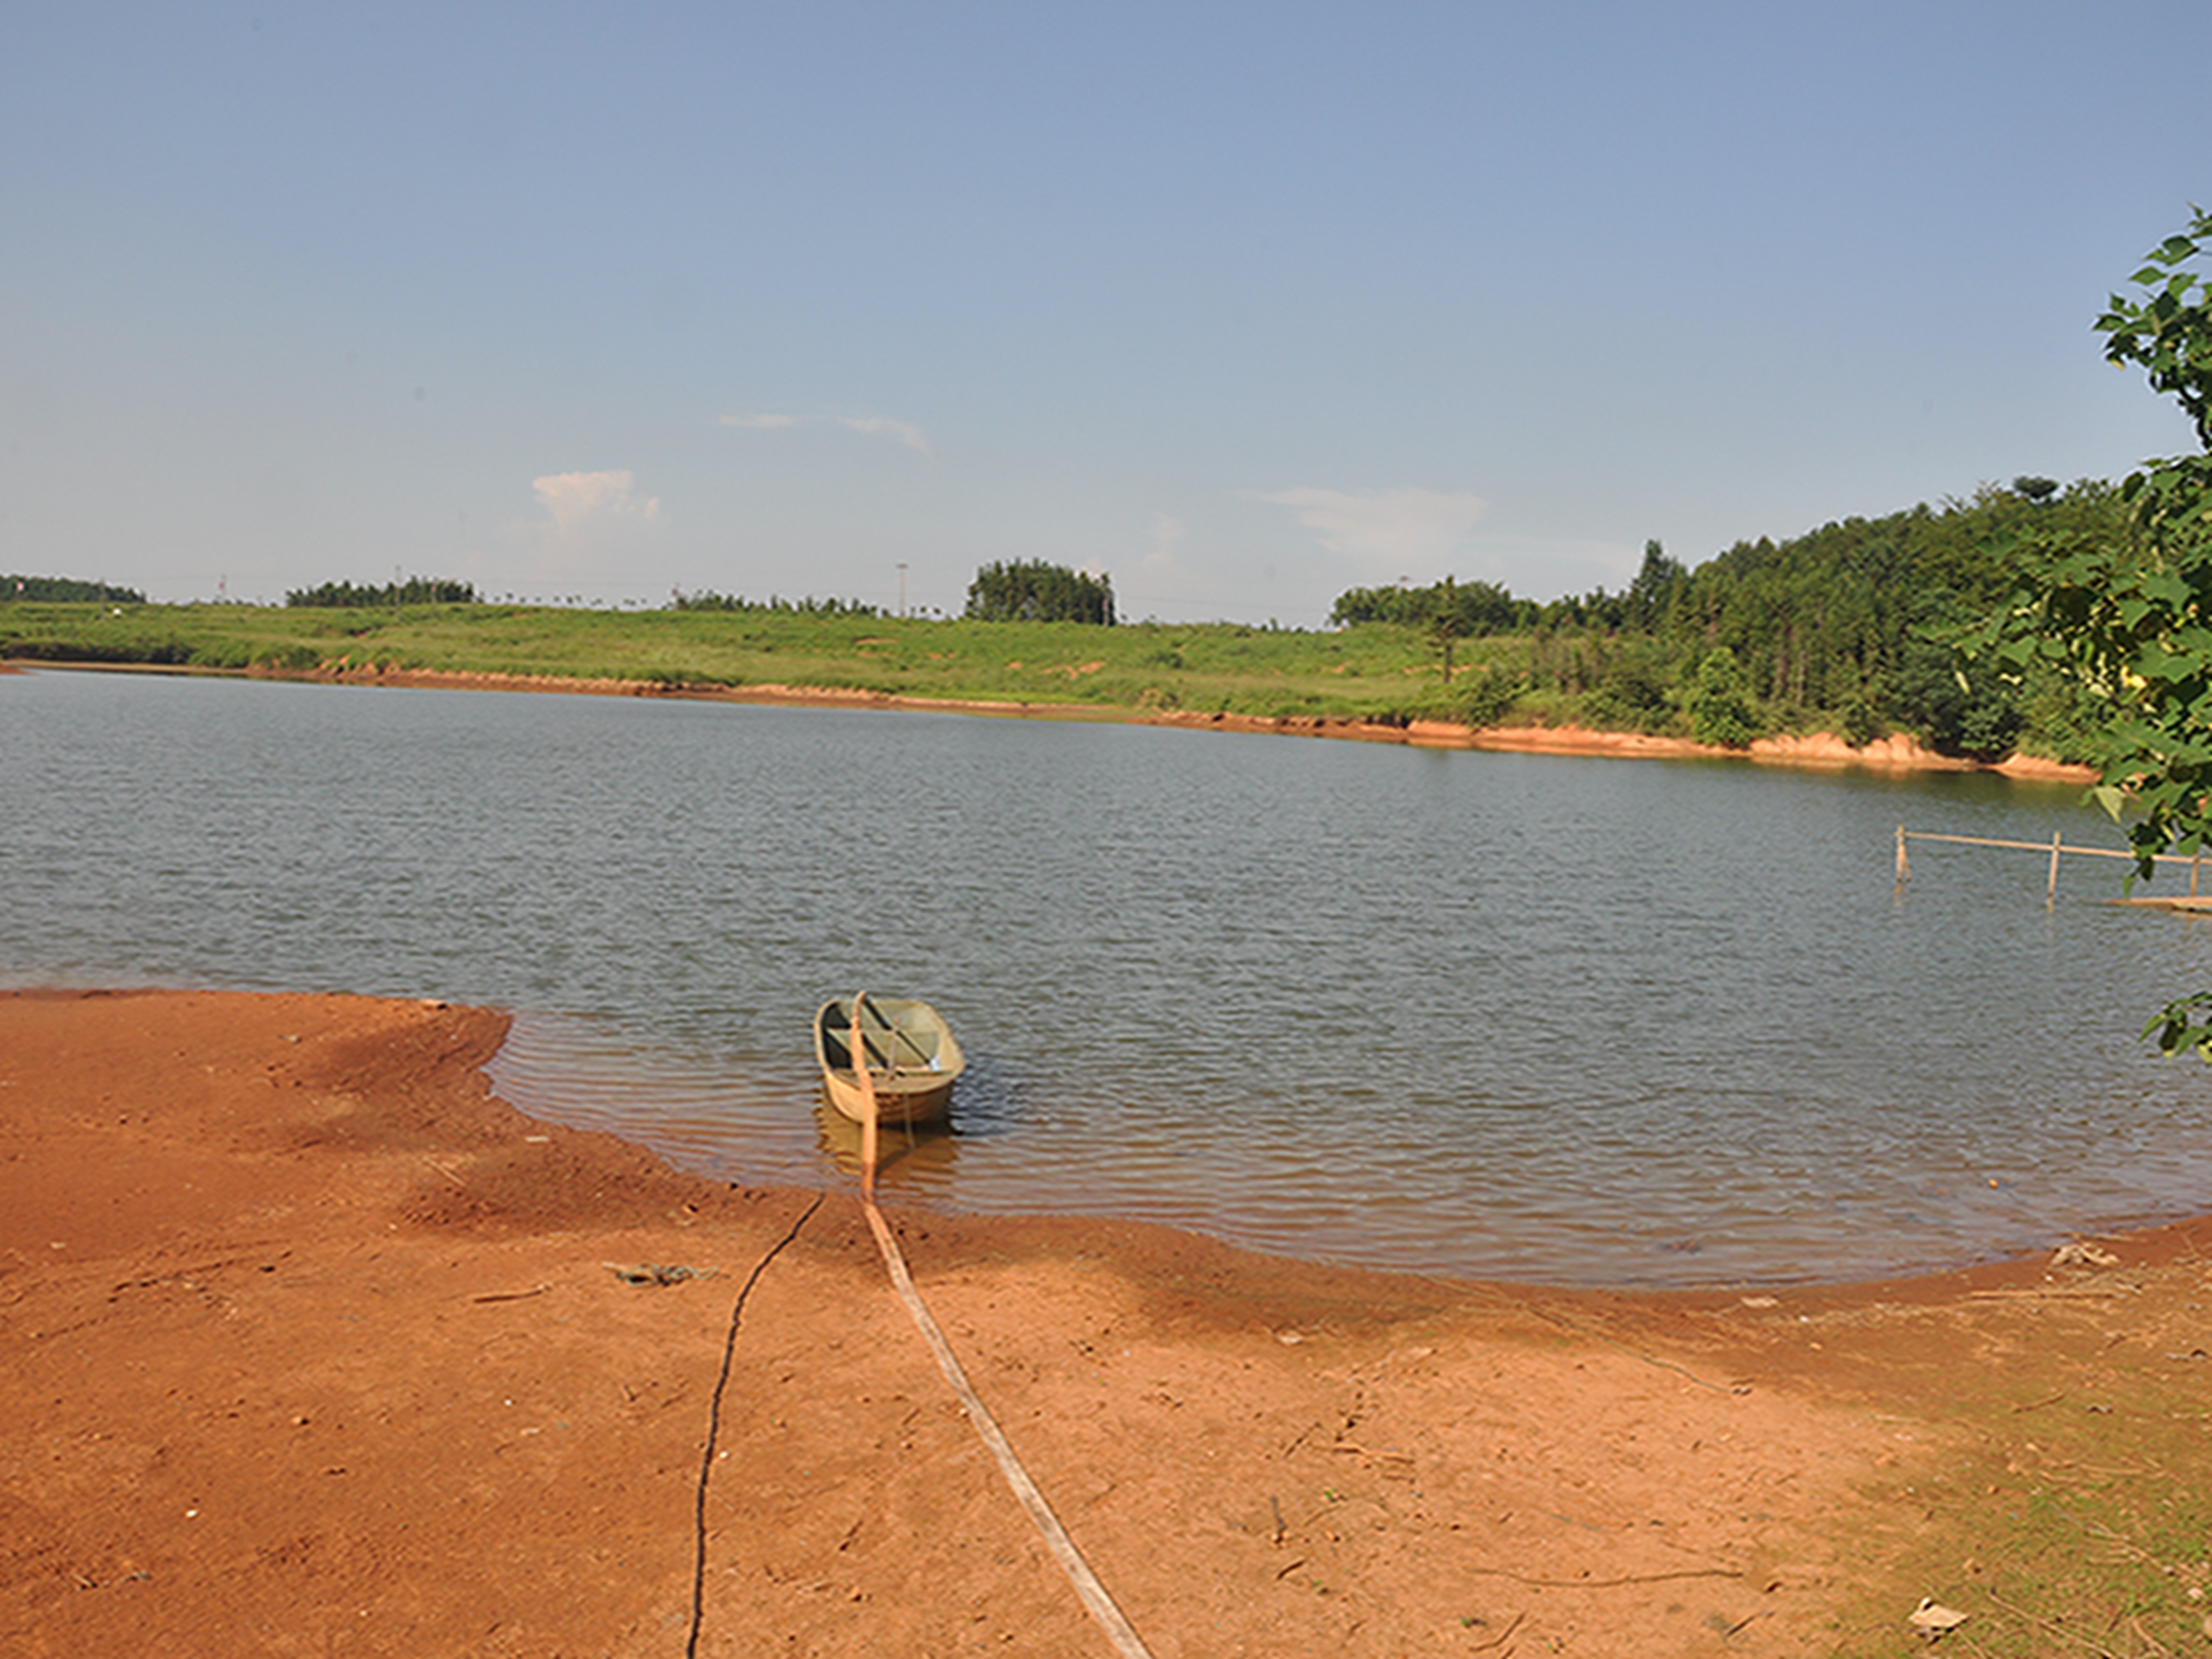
1574	1020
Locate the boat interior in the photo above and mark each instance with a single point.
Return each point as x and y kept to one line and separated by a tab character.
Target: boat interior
890	1045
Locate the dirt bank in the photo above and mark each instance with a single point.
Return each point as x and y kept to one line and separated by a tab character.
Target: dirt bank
1824	750
310	1345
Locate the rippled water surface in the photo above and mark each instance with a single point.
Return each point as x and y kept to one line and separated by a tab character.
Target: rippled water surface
1579	1020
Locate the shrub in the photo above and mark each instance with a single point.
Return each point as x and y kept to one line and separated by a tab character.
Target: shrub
1486	697
1719	703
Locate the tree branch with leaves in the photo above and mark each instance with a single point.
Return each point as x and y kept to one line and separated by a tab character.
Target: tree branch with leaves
2129	620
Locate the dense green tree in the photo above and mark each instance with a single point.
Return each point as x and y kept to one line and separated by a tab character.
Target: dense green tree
415	590
2127	618
1477	608
1962	709
1719	703
1629	690
1034	590
1835	629
1654	588
66	590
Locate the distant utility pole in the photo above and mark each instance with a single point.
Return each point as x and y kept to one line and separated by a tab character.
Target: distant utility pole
901	565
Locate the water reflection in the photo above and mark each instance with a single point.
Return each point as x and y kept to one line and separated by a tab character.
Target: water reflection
921	1155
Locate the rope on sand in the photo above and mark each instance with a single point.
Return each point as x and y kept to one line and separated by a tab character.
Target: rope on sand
1100	1605
713	1427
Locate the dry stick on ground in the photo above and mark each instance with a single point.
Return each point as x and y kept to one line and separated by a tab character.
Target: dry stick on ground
1504	1636
2094	1646
1605	1583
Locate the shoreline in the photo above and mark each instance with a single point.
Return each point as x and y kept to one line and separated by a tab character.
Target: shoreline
297	1313
1818	750
2153	1240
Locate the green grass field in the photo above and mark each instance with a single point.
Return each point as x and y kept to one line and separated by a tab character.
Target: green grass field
1373	672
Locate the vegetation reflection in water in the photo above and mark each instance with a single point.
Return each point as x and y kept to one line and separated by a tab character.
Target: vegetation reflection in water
1566	1019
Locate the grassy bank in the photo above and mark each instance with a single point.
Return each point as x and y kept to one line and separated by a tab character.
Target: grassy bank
1369	672
1379	673
2065	1512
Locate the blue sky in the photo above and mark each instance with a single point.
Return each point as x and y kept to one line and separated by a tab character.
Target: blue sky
1242	305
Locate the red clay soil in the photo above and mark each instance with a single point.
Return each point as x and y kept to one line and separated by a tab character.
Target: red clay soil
1820	750
310	1346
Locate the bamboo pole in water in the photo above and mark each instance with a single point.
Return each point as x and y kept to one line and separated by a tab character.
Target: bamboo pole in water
2194	860
2036	846
867	1104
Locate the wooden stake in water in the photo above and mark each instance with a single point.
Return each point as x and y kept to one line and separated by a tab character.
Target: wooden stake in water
2050	895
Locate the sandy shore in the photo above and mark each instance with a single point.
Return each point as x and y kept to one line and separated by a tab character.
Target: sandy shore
309	1344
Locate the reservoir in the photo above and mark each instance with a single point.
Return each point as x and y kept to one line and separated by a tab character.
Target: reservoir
1587	1021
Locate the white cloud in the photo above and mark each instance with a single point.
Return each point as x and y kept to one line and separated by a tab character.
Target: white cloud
876	425
1391	532
578	500
1168	532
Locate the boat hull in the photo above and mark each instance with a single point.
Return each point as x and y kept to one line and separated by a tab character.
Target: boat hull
893	1105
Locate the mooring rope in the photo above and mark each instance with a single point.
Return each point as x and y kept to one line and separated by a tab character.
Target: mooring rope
1100	1605
714	1428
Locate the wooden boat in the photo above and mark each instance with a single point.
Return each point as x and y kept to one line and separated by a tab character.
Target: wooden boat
913	1058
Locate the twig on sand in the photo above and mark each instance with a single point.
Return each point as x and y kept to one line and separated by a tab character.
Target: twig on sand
2042	1622
1607	1583
1504	1636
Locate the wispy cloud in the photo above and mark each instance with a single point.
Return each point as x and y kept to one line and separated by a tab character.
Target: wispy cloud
876	426
868	426
1389	532
1168	532
578	500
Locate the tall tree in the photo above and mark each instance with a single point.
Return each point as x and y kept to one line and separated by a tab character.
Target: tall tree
1654	588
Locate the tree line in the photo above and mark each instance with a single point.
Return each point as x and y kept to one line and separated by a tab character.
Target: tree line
415	590
1850	627
66	590
708	599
